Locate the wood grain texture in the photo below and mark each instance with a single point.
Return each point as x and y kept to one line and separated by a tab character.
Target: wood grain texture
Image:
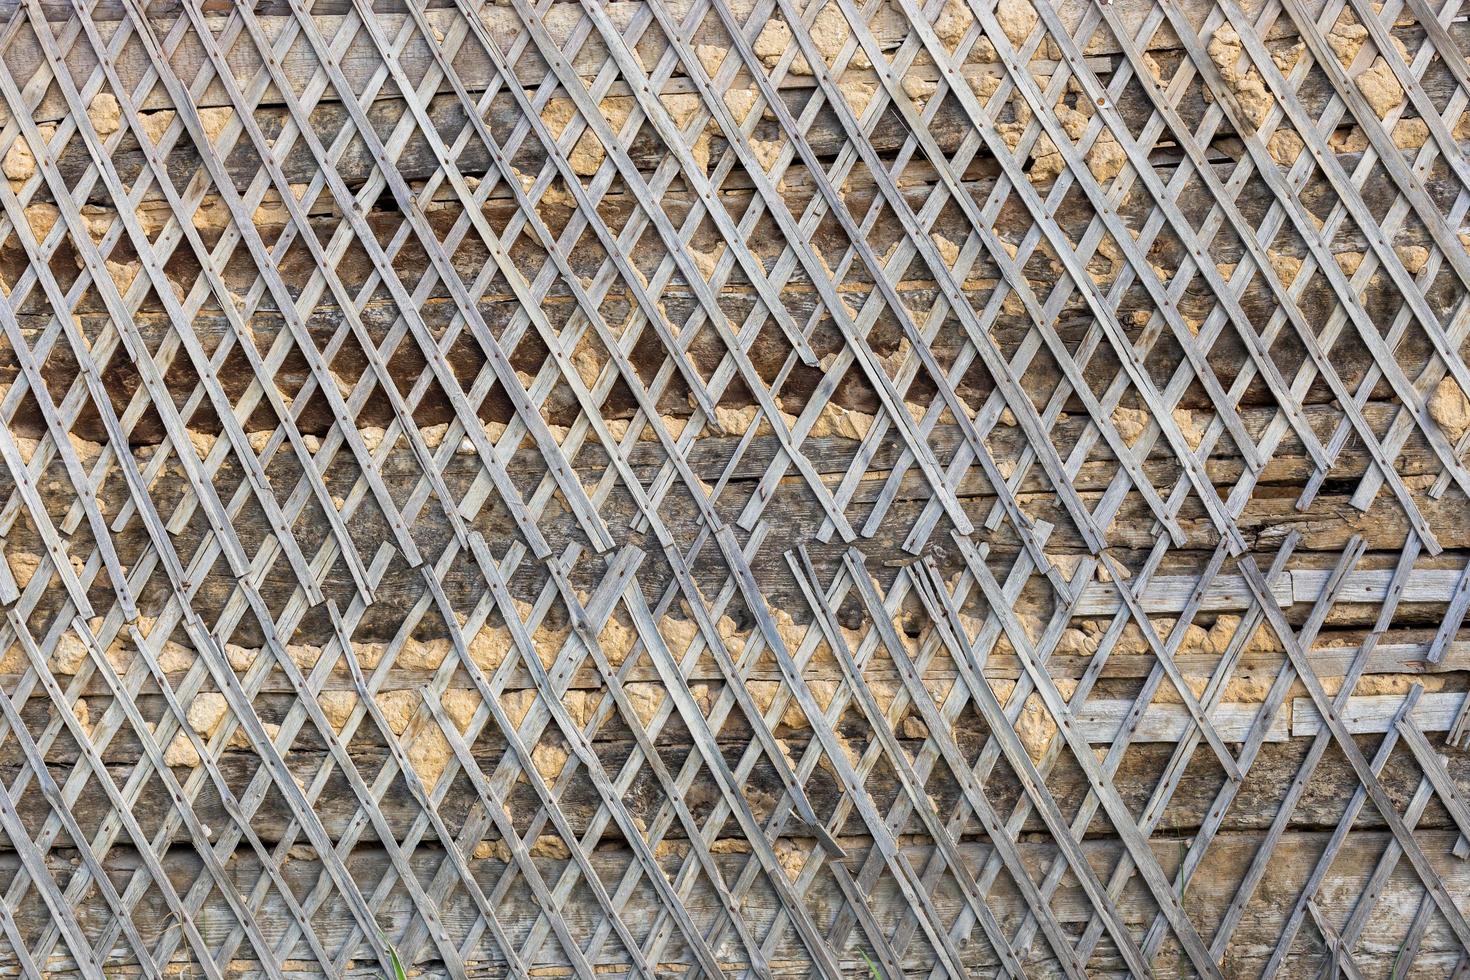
746	489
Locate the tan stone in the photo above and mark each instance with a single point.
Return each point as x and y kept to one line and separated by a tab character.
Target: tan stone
617	640
303	655
588	360
772	41
42	218
20	160
175	658
104	113
82	712
705	261
122	273
954	20
156	124
646	699
581	705
1349	262
1285	266
398	708
70	654
1046	160
337	706
740	101
918	87
711	57
829	31
1191	424
203	442
1284	146
497	849
857	93
1410	134
550	846
1380	88
1107	158
181	752
549	760
429	754
207	712
1228	54
460	705
418	655
1449	407
1414	257
1017	18
948	250
489	646
214	120
767	152
1035	726
1130	423
588	153
843	423
791	857
1346	38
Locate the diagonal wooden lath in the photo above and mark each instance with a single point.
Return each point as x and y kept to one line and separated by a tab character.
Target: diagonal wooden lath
733	488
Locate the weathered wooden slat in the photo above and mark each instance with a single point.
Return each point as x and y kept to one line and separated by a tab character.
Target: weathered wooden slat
1297	852
1435	713
23	55
758	488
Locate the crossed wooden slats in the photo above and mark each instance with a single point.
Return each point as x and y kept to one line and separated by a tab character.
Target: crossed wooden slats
316	539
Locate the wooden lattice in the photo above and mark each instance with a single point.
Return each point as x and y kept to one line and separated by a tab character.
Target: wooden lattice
750	488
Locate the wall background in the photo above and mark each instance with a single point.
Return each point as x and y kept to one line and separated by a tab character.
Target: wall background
755	488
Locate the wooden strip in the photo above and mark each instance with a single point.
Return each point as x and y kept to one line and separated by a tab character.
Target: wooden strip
1375	713
805	575
1342	737
604	641
1306	899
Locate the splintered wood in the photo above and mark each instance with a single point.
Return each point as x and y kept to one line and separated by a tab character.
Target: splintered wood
761	488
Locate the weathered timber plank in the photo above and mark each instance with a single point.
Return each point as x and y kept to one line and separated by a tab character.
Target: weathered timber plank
474	69
1297	851
1252	810
1363	715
